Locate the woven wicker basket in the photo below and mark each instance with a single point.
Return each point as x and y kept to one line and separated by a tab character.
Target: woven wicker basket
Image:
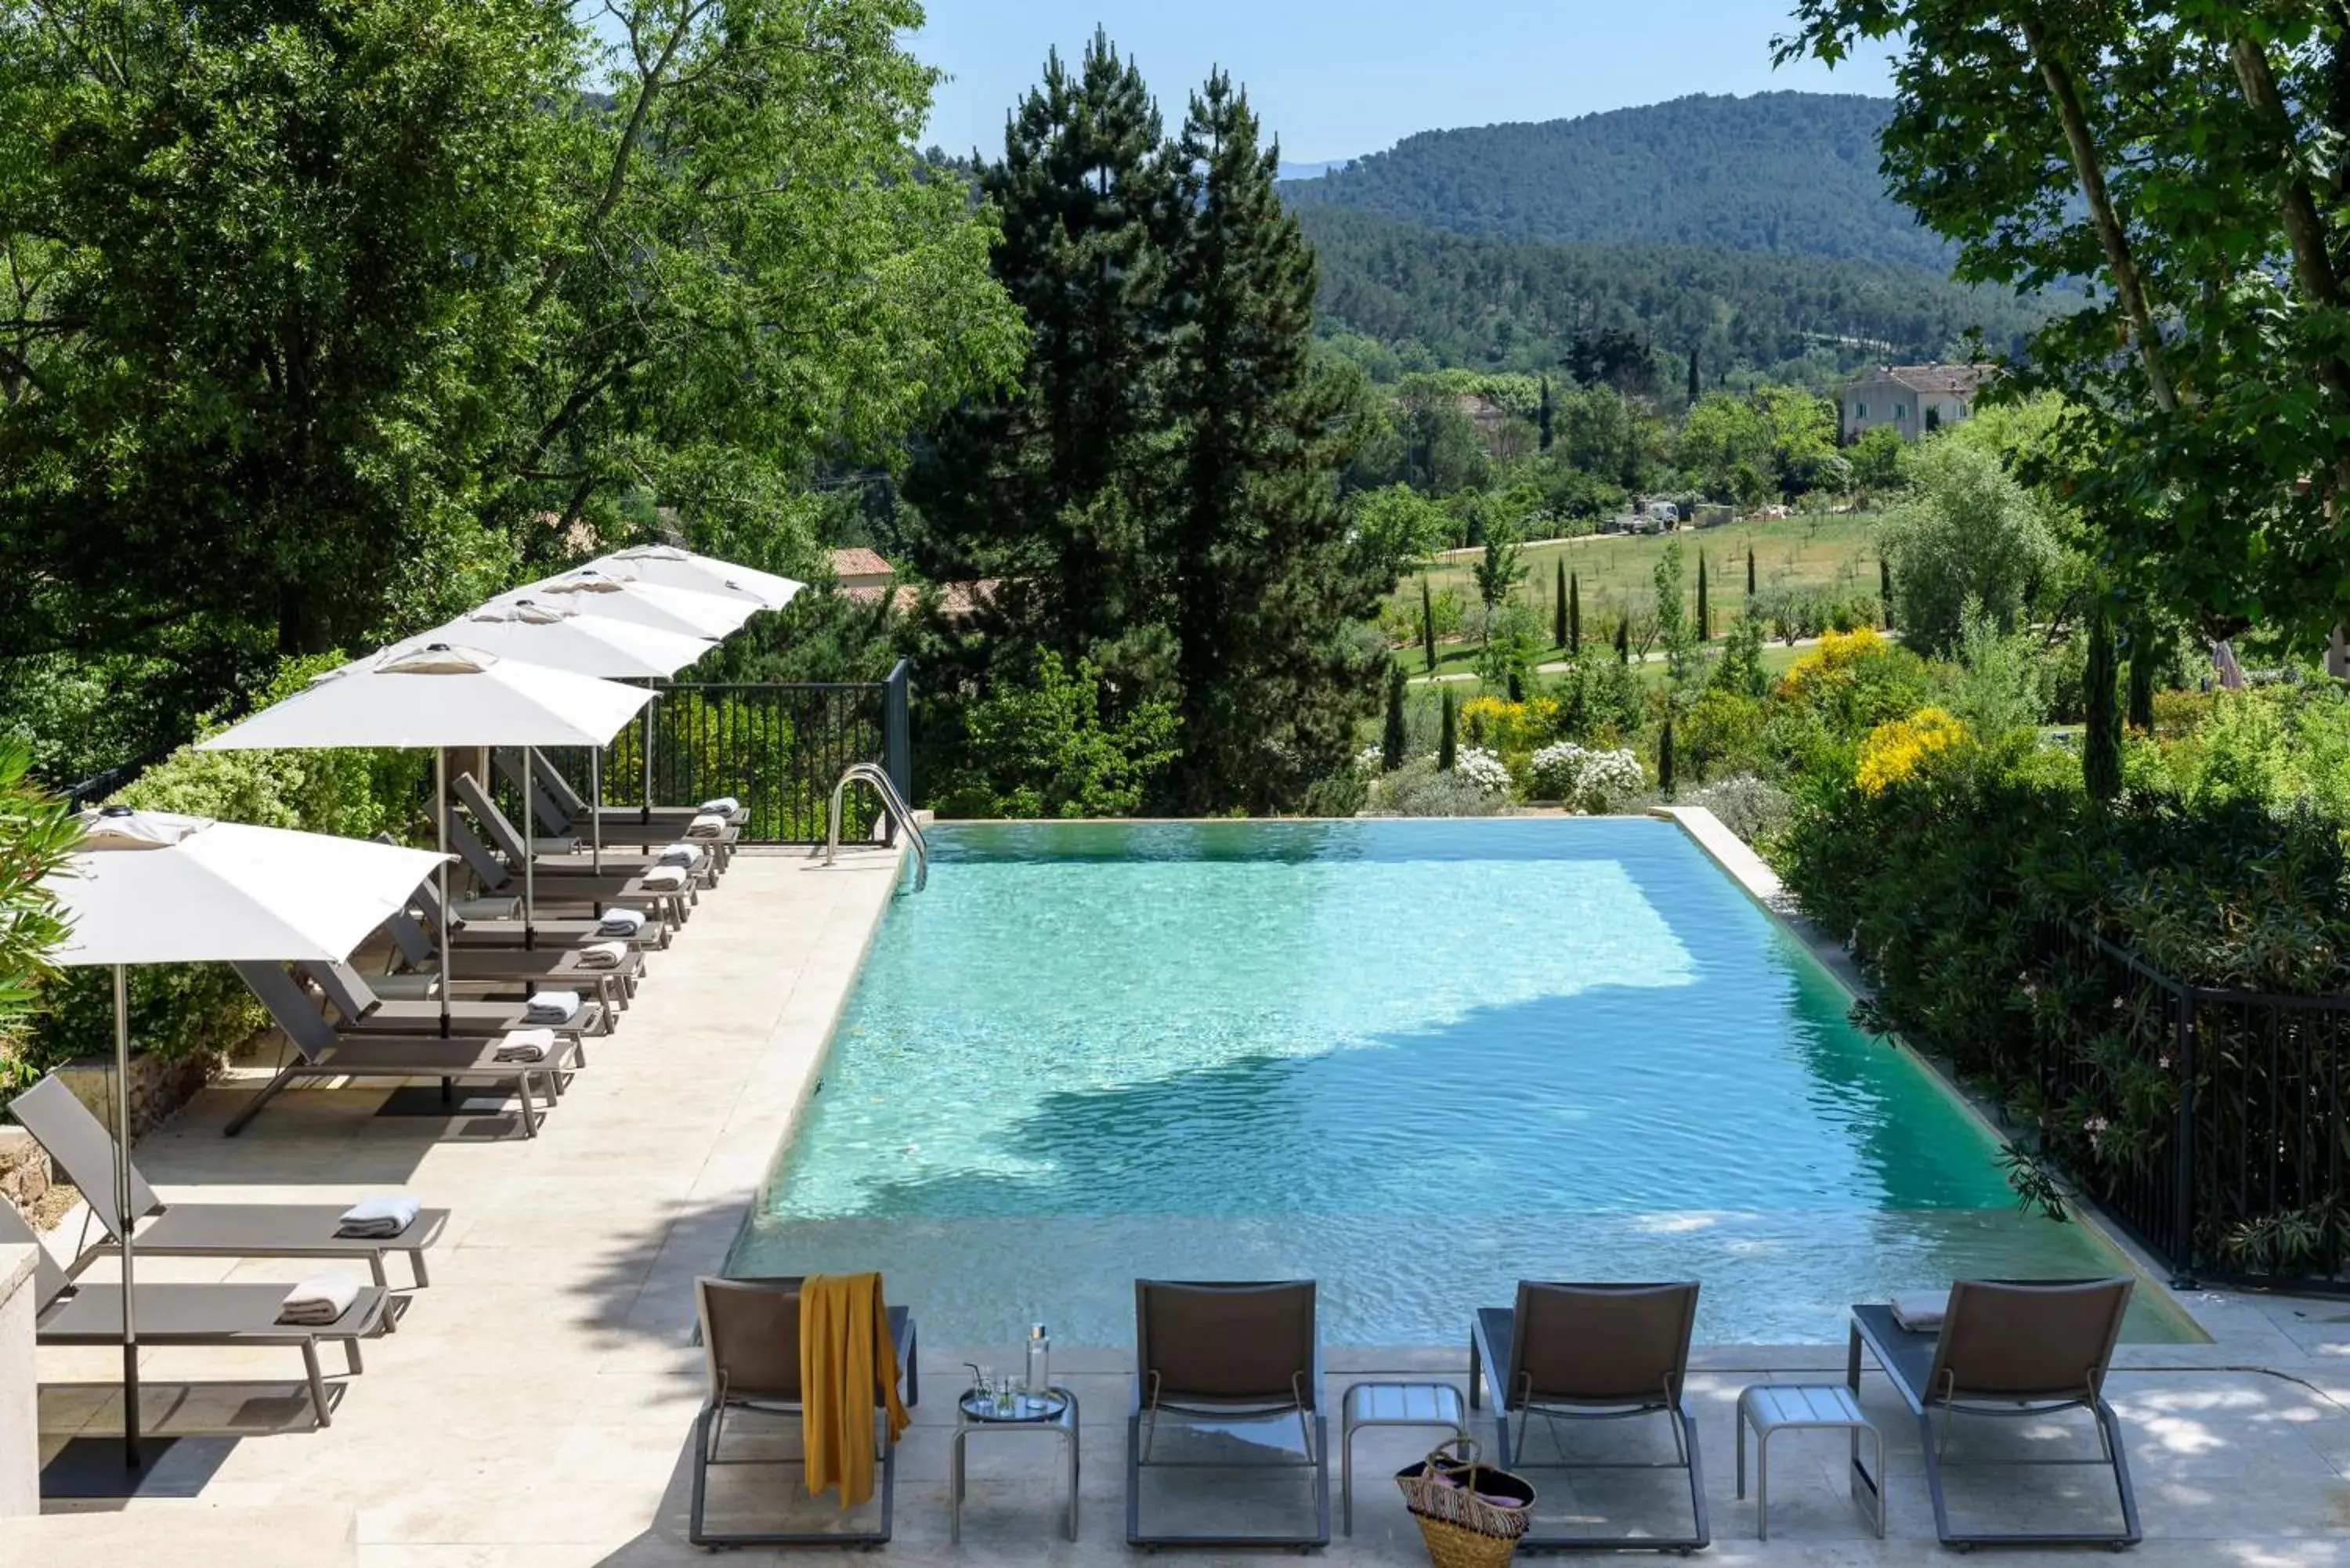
1451	1496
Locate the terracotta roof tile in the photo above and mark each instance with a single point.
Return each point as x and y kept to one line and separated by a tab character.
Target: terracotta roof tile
860	562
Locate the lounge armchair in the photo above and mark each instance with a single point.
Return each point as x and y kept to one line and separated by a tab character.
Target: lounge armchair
2007	1347
560	965
85	1151
1224	1353
320	1051
1592	1352
569	892
364	1012
562	809
222	1316
751	1345
562	855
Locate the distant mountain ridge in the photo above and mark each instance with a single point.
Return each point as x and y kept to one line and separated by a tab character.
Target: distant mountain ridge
1778	173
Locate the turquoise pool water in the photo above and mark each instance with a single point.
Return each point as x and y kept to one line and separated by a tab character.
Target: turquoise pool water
1414	1061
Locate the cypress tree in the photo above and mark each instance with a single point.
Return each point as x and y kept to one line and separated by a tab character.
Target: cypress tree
1623	640
1704	611
2101	741
1427	625
1574	614
1750	571
1392	739
1885	589
2145	653
1546	417
1665	759
1558	606
1692	378
1445	740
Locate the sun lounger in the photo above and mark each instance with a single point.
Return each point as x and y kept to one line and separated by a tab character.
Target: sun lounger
1221	1353
563	809
1591	1353
500	930
319	1051
570	892
563	966
85	1152
214	1316
751	1345
566	857
2006	1348
363	1011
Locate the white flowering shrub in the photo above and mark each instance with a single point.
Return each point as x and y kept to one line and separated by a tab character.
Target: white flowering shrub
1369	762
1483	769
1557	770
1416	789
1609	780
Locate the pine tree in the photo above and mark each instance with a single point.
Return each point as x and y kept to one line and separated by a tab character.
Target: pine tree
1750	571
1446	743
1623	639
1261	573
1574	614
1704	610
1665	760
1546	416
1693	388
2101	741
1427	625
1040	486
1558	606
1392	739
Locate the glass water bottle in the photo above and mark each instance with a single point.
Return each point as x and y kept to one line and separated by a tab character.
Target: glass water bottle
1040	1360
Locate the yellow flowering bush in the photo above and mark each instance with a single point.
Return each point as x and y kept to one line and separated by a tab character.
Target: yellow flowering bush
1898	752
1511	727
1838	652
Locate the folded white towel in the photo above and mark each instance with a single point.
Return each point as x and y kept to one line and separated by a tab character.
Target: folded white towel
706	825
551	1006
387	1214
620	923
721	805
1922	1312
318	1302
665	879
686	854
603	955
525	1046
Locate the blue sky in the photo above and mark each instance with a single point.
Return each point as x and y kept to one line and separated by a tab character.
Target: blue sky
1335	79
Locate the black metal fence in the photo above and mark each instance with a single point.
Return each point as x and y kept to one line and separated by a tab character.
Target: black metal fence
2209	1122
779	748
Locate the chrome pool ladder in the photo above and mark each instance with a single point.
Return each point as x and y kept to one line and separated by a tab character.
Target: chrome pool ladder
891	802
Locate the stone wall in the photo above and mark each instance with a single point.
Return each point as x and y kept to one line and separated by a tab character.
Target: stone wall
23	1170
158	1089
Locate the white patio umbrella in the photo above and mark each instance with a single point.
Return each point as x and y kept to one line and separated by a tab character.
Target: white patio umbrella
621	595
153	888
666	566
554	634
442	695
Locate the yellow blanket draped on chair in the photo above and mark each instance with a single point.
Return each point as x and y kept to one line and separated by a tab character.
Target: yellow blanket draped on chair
846	1354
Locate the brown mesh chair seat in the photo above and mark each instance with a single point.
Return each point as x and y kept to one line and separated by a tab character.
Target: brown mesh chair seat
1226	1353
1592	1352
750	1346
2007	1347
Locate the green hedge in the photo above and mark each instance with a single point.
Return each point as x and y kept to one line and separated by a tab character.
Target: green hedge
182	1010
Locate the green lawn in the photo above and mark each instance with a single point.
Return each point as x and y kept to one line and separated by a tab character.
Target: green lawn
1460	659
1617	570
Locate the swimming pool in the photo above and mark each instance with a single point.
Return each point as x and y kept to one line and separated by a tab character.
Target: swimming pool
1414	1061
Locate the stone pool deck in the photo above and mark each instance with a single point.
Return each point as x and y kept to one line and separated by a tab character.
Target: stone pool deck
534	1408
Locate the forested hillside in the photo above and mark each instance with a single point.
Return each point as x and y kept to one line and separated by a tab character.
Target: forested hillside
1430	297
1784	173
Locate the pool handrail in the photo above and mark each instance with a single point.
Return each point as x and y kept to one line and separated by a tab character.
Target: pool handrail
891	802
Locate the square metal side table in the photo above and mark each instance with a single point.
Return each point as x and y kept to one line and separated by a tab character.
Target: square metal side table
971	1421
1781	1406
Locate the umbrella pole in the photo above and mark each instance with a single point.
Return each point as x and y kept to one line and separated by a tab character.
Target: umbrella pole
124	1217
595	803
529	855
441	842
645	815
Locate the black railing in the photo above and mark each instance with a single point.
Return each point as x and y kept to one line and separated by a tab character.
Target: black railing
777	747
2208	1122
